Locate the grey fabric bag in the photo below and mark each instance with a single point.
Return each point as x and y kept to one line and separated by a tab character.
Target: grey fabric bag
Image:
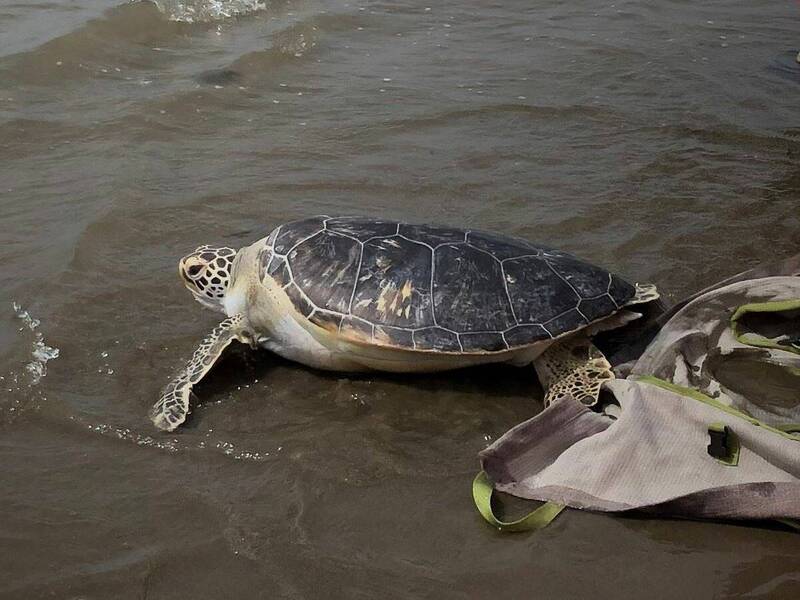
703	423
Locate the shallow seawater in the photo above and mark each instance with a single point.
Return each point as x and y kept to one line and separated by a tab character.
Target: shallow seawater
659	140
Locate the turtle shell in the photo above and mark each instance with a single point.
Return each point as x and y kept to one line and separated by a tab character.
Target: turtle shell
435	288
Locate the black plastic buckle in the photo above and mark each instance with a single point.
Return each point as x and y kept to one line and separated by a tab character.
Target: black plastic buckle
719	448
724	444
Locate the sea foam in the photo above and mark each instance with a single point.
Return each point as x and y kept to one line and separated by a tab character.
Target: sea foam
207	11
40	352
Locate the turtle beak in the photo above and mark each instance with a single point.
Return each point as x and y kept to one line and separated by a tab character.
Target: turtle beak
188	282
182	273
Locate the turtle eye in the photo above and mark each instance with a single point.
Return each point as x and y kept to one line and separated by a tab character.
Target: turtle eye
194	270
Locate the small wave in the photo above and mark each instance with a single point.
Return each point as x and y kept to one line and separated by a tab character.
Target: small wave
41	352
207	11
787	65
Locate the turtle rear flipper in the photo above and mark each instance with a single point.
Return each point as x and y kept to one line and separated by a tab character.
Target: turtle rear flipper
173	407
573	367
645	292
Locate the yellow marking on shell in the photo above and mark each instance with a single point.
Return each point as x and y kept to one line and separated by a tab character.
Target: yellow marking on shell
407	289
381	303
395	301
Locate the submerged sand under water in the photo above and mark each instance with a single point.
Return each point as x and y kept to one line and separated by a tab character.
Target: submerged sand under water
659	140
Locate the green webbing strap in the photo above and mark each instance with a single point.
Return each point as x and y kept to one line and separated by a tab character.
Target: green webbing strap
789	427
482	495
753	339
784	431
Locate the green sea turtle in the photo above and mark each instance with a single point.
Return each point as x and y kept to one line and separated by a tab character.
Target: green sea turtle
360	294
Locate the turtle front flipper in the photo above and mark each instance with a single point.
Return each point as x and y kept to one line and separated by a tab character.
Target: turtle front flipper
173	406
573	367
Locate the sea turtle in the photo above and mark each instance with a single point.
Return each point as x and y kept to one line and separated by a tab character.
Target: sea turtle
356	294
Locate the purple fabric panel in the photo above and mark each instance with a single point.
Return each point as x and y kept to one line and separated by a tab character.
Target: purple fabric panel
765	500
530	446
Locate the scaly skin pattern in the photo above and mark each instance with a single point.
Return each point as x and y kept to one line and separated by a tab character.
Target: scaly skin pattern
173	407
573	367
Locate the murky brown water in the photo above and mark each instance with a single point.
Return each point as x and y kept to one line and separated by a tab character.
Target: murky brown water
657	139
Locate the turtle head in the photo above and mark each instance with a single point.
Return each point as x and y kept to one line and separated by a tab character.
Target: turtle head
207	273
